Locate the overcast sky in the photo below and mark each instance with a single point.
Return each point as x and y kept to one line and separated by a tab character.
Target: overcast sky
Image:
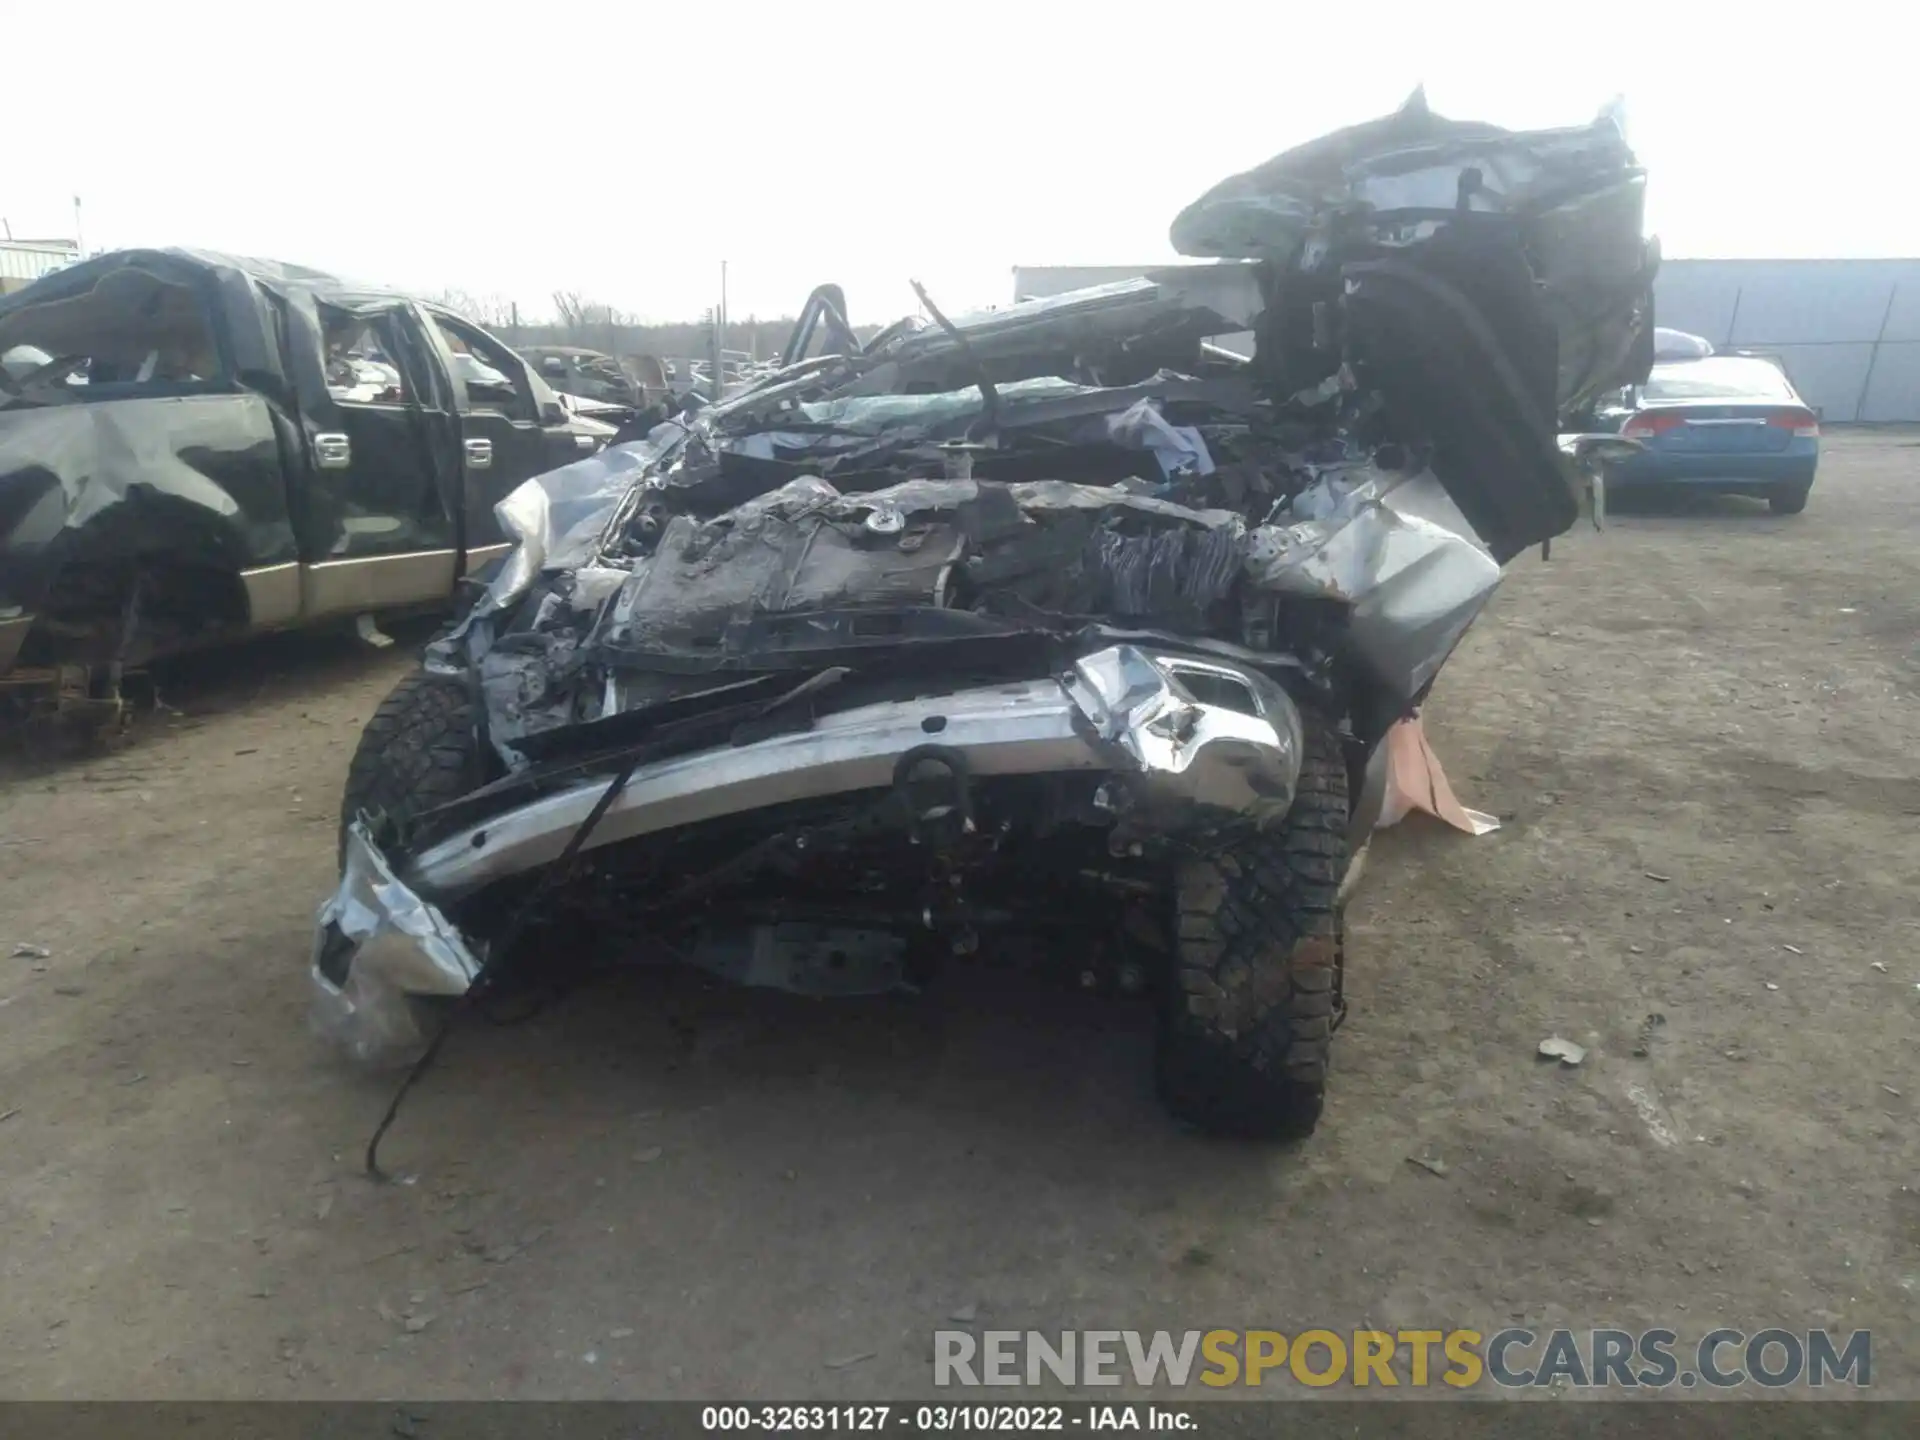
622	150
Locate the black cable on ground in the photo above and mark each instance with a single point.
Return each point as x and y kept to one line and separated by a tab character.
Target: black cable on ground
502	947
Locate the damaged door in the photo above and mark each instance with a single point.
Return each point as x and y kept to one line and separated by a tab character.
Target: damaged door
376	525
141	482
504	436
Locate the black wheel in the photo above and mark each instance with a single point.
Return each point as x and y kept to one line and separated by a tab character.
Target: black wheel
1789	499
1247	1025
419	750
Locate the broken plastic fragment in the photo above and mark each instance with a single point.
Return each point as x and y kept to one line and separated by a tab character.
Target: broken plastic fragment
1565	1051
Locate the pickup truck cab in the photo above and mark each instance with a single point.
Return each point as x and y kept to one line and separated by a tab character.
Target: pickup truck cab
194	447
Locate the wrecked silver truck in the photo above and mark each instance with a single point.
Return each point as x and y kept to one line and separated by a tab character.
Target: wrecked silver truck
1058	621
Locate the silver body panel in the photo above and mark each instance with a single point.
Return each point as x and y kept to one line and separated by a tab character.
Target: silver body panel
1119	710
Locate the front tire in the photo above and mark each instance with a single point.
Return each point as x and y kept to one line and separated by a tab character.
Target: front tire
420	750
1247	1024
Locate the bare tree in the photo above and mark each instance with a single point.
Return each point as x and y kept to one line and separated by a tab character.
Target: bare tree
492	311
570	311
590	322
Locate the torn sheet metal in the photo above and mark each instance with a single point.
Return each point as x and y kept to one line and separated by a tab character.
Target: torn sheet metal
1039	497
375	943
557	519
1042	495
1412	160
1573	199
1394	548
1160	306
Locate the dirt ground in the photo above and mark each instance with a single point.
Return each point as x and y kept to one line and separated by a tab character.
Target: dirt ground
1699	729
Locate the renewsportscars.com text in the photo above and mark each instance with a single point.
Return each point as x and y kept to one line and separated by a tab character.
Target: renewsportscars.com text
1513	1358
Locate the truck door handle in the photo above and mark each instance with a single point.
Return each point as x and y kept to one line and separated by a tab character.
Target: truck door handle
332	451
479	453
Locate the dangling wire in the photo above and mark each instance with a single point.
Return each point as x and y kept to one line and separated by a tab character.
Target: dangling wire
502	947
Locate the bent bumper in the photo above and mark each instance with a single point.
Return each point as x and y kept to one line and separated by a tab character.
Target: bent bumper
1180	765
1122	709
1708	470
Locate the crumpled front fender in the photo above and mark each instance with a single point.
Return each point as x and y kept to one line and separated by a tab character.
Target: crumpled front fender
376	942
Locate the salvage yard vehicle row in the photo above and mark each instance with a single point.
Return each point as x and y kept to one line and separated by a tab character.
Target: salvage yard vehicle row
194	446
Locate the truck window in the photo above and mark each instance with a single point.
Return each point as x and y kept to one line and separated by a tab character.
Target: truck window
493	378
363	358
132	333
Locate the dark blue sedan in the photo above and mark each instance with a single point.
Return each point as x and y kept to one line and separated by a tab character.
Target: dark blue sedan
1727	423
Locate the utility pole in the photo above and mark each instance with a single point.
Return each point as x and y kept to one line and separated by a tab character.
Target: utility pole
718	342
79	239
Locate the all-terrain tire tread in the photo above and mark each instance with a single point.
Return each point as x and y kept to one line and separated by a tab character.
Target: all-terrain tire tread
417	752
1246	1029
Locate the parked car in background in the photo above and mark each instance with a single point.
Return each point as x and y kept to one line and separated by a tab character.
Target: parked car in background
193	447
588	374
1732	424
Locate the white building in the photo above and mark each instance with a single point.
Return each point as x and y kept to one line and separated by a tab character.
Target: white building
1848	331
24	261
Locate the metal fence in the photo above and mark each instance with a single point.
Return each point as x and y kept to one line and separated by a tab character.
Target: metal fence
1848	331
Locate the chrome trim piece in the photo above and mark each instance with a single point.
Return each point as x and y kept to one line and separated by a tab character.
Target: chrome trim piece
1188	754
332	450
479	454
483	554
273	594
13	634
1119	710
372	582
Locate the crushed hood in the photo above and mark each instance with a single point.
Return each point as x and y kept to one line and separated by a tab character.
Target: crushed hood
1572	200
1410	161
956	492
